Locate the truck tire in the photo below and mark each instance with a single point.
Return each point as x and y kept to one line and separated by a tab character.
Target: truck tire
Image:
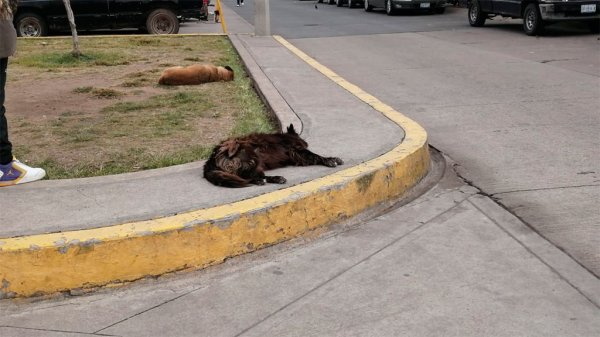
368	7
339	3
30	25
162	21
389	9
476	16
350	3
532	20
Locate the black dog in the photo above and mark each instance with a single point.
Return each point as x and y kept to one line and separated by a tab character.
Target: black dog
239	162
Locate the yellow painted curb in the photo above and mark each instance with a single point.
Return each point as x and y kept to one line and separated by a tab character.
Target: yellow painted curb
47	263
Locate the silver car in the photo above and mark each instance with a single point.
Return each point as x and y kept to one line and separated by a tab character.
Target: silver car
393	6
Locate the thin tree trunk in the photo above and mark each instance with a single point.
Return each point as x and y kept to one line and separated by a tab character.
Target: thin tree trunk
76	52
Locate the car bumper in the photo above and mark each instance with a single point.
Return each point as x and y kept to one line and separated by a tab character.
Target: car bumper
424	4
192	13
568	11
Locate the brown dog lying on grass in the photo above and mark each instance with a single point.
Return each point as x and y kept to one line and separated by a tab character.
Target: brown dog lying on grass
239	162
195	74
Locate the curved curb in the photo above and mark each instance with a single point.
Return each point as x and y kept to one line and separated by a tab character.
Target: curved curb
46	263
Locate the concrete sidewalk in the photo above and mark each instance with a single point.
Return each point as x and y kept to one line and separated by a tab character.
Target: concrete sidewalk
84	233
449	263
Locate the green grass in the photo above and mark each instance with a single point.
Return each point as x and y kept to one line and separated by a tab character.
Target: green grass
129	160
132	134
53	60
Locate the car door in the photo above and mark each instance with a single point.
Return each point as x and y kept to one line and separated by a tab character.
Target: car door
508	7
377	3
91	14
128	13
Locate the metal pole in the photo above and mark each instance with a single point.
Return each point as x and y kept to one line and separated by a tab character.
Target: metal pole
262	18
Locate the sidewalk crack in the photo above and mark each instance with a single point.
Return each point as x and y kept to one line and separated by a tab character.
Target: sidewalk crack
544	189
53	330
344	271
149	309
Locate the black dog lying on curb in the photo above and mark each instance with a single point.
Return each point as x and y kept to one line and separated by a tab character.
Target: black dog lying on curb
239	162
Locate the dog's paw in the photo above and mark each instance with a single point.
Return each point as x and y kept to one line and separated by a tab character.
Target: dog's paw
276	180
258	182
333	161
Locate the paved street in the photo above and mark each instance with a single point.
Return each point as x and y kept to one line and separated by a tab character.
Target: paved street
499	240
518	114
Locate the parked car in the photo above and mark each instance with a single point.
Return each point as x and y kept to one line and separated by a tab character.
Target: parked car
536	14
340	3
393	6
39	17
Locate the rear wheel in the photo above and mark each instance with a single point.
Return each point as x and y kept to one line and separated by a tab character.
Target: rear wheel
162	21
440	10
368	7
476	16
331	2
389	9
350	3
339	3
532	20
30	25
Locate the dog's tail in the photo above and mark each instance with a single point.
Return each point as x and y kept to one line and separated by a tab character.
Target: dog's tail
225	179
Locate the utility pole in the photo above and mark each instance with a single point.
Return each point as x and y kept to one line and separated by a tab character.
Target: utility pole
262	18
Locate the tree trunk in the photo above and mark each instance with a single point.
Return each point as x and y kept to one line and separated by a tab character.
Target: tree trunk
76	52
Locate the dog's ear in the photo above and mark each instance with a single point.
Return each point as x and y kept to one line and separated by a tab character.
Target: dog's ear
228	68
229	146
290	129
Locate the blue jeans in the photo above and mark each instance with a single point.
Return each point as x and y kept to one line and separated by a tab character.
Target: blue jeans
5	146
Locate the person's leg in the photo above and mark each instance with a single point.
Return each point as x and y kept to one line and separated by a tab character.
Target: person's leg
238	3
5	146
12	171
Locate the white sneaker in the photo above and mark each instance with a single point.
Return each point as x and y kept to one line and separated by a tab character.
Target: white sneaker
16	172
237	5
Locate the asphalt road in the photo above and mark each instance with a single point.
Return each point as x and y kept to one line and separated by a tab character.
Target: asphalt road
300	19
520	115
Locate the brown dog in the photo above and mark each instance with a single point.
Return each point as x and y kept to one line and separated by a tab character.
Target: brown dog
239	162
195	74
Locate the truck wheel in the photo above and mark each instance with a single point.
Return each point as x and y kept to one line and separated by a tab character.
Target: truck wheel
30	25
368	7
389	9
476	16
594	26
439	10
162	21
339	3
532	21
330	2
350	3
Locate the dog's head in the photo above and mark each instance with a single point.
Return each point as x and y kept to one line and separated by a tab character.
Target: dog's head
225	73
295	139
235	157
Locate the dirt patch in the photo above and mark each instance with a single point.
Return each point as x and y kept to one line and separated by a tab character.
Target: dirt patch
109	115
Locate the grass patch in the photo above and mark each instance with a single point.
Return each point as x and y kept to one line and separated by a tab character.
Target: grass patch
66	60
150	126
130	160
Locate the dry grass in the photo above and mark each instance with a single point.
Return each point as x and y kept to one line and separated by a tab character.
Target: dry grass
106	114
